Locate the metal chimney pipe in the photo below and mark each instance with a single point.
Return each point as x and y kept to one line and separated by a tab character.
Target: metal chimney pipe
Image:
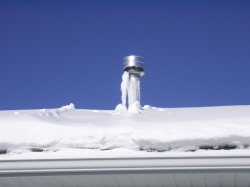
134	65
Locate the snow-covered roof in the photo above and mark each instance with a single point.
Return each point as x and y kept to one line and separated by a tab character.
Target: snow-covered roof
113	133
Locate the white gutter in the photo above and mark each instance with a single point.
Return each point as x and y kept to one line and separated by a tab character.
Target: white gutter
124	164
212	171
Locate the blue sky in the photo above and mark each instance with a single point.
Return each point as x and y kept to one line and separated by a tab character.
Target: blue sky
52	53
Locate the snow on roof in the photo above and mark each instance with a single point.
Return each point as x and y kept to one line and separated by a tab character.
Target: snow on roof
118	132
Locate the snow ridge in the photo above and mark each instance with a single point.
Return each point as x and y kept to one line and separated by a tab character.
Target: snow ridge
144	129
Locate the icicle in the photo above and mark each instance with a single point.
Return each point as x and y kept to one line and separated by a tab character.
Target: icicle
124	87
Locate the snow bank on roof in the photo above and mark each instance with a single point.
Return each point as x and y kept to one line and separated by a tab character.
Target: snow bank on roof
66	108
121	108
152	130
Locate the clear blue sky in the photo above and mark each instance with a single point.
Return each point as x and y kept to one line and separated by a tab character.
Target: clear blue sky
52	53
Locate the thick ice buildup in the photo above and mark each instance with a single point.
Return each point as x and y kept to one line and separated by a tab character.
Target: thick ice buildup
134	90
135	107
124	87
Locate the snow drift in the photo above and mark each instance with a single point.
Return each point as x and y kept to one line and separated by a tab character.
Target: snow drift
150	129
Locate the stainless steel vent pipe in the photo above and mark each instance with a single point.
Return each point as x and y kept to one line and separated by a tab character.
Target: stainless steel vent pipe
134	65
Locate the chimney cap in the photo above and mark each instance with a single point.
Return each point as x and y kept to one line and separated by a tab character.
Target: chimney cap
133	61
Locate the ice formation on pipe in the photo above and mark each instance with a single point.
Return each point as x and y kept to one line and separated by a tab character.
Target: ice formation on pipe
130	87
134	91
133	67
124	87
